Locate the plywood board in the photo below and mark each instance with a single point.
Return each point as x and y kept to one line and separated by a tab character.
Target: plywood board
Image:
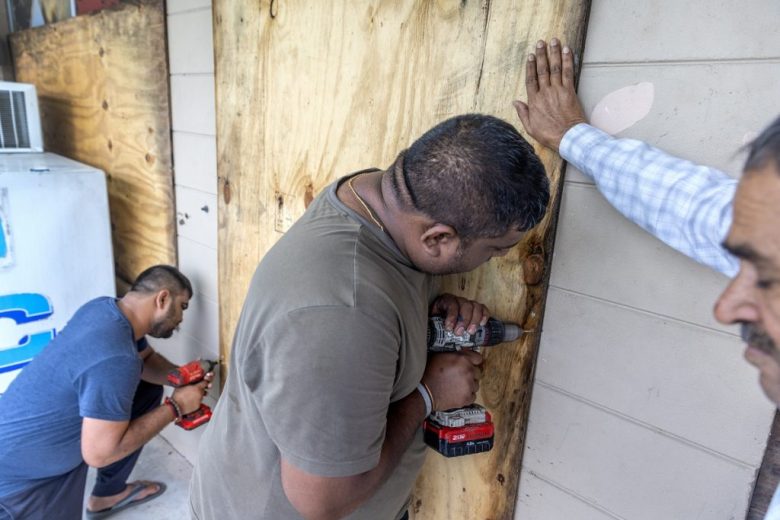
310	91
102	85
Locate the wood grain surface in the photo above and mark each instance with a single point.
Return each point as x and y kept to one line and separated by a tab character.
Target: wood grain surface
310	91
102	84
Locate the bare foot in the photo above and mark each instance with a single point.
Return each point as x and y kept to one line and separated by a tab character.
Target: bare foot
100	503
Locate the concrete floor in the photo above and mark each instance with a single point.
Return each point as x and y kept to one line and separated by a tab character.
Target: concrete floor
161	462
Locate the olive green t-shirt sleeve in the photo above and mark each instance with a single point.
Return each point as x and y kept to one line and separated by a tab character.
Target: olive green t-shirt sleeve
326	387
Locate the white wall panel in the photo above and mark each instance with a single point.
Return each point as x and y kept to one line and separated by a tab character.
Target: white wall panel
196	216
664	30
628	469
190	42
199	263
540	500
179	6
193	104
699	110
600	253
195	161
677	378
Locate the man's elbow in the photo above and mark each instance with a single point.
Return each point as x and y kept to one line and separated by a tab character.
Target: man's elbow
320	507
322	498
309	513
94	460
101	441
97	458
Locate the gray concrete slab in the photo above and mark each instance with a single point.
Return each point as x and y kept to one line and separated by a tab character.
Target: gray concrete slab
159	462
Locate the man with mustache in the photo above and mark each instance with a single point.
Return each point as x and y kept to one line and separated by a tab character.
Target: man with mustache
690	207
92	397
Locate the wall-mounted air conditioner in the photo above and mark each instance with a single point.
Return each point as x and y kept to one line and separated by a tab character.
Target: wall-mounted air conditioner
20	121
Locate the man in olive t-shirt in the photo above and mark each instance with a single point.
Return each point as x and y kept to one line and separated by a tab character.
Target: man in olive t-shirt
329	378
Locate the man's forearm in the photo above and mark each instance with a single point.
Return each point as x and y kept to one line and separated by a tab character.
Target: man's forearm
685	205
404	420
140	431
156	368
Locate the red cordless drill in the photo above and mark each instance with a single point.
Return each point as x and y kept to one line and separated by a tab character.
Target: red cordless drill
186	375
463	431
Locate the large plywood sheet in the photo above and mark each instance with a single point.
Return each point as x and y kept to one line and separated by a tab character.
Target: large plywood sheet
310	91
102	85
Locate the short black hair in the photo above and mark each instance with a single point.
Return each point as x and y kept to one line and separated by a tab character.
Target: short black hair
476	173
159	277
765	147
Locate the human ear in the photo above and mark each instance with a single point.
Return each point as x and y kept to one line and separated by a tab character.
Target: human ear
439	239
162	299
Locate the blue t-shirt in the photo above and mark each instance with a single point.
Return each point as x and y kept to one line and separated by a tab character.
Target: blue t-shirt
90	369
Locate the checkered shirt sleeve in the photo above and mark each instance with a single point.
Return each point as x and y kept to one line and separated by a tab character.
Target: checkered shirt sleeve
685	205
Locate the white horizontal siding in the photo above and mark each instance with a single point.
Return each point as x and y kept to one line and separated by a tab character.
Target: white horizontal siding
671	30
704	111
601	254
628	469
671	376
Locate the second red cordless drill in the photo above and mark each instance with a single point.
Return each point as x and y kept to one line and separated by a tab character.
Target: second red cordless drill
188	374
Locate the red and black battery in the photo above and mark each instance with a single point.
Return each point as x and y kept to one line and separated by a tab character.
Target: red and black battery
194	419
459	432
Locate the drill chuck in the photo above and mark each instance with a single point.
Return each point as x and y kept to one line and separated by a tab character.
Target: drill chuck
512	331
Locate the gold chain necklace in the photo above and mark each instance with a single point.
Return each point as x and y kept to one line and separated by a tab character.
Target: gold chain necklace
363	203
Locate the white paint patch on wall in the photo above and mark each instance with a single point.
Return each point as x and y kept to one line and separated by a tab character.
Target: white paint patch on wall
623	108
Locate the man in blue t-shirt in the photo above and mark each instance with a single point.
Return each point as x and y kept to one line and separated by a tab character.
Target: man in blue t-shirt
92	397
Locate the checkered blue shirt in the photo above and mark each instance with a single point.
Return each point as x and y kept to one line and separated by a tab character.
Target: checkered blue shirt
773	511
685	205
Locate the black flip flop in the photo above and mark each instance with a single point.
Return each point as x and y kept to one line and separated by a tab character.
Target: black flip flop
128	501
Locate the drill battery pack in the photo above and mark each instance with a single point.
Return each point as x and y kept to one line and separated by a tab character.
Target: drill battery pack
459	432
194	419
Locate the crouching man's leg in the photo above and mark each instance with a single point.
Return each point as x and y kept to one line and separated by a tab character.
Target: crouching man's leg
57	497
111	490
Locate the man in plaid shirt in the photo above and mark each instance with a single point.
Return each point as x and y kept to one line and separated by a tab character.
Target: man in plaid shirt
733	227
